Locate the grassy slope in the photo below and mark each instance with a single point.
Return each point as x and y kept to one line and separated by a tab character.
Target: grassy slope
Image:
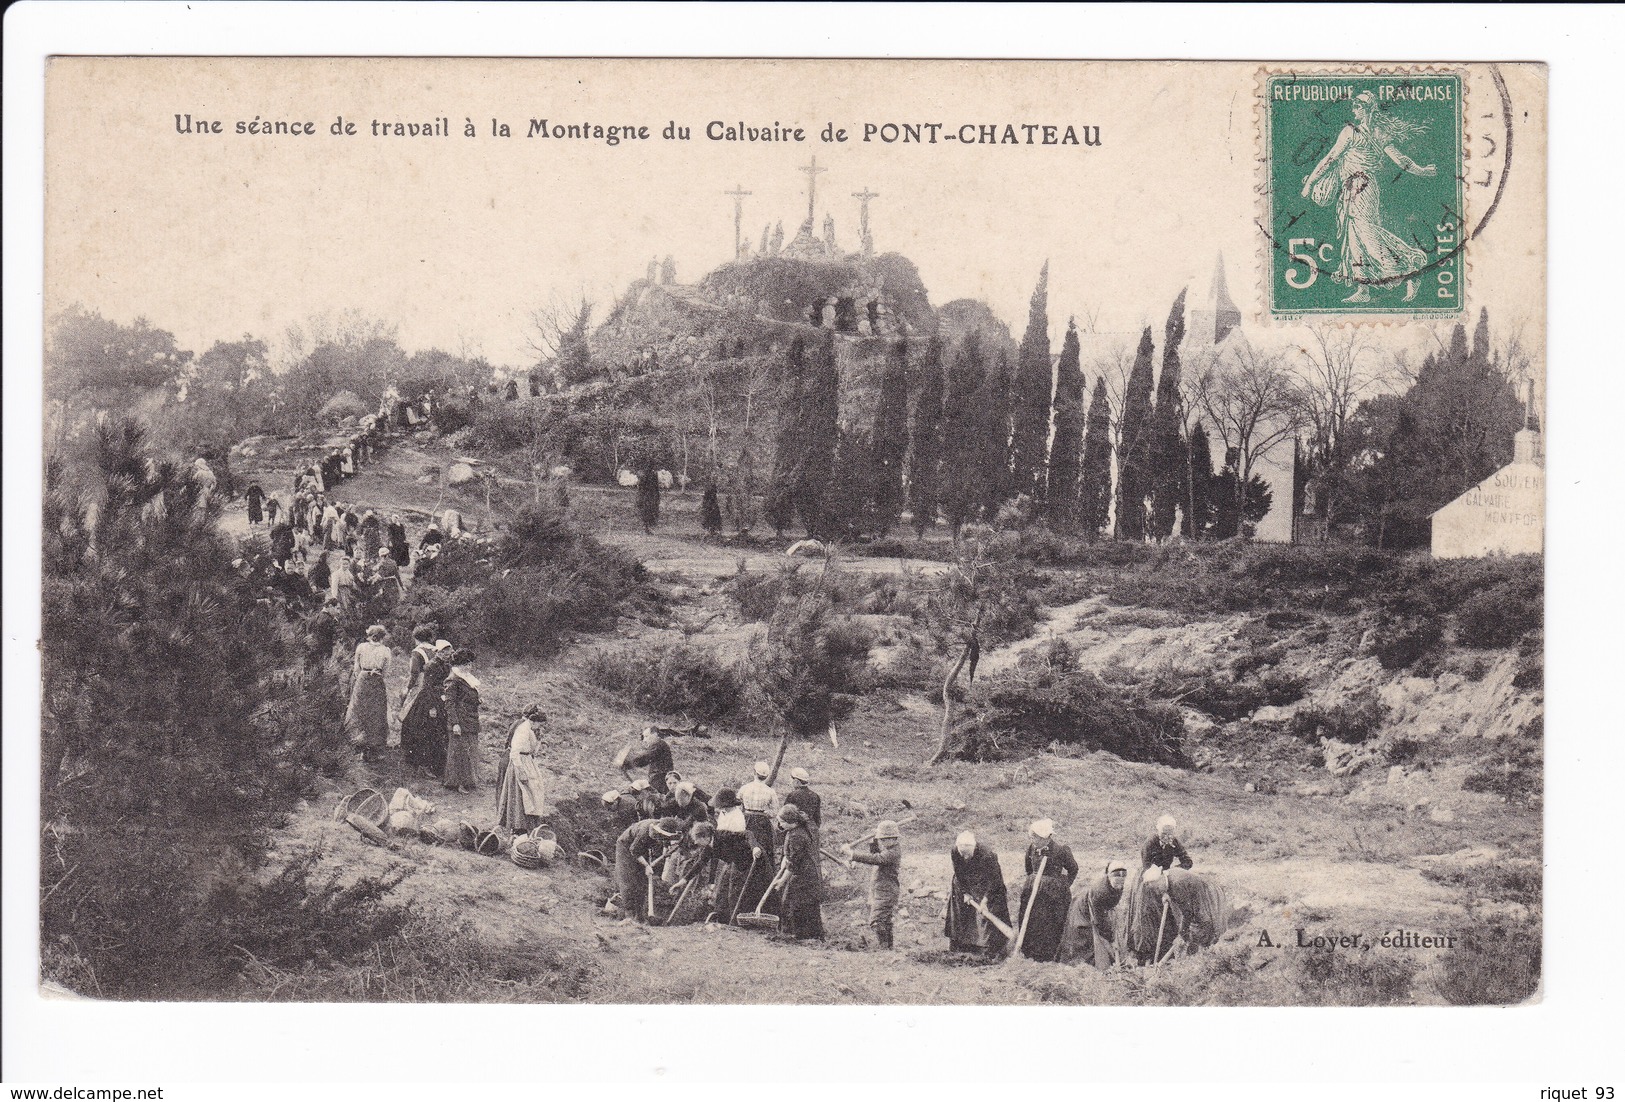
1288	860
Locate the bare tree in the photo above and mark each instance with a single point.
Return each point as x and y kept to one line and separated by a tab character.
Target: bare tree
557	333
1337	368
1251	400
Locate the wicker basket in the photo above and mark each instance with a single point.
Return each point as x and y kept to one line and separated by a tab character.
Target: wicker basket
490	844
524	853
467	836
366	805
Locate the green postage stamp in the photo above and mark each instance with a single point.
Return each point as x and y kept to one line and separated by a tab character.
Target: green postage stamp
1365	194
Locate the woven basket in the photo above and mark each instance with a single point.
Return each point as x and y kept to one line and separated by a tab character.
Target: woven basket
490	844
468	837
365	804
524	853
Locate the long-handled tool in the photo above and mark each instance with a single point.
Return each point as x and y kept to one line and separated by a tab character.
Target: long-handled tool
980	907
682	895
756	920
870	837
649	886
1156	957
1038	882
739	896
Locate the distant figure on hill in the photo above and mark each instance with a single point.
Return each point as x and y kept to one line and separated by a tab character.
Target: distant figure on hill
648	497
255	498
710	511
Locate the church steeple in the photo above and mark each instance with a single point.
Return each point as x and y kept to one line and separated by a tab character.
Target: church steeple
1221	308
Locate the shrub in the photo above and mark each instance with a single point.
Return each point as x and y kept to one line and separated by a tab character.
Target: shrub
759	594
1515	770
525	593
1354	979
1399	642
1501	615
1354	720
1495	965
799	660
1045	701
677	679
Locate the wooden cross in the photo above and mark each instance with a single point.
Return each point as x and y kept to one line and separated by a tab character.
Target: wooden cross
738	194
812	172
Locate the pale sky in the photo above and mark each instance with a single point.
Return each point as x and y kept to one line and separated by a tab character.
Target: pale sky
457	238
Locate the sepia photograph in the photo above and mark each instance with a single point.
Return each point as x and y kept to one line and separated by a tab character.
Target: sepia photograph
793	532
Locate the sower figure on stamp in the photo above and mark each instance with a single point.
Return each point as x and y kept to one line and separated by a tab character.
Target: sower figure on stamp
1371	254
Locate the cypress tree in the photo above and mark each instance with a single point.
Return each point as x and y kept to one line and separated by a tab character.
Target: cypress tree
1133	481
790	450
991	423
1066	452
1198	505
819	410
1095	497
890	439
925	444
1169	456
1029	414
963	490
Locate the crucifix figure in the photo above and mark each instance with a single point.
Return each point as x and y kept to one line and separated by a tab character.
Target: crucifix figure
863	198
738	194
812	172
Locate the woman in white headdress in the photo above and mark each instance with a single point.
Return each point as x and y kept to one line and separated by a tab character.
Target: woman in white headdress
1351	170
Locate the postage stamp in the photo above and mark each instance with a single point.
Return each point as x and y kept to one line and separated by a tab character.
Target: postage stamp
1366	213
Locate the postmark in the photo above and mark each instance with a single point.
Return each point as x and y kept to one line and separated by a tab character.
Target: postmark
1366	205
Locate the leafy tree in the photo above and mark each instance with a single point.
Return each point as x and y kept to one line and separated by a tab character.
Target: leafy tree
1238	506
1095	495
1452	429
925	443
1066	453
86	353
1030	409
1169	457
1134	451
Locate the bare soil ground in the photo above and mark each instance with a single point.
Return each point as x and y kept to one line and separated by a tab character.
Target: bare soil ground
1303	855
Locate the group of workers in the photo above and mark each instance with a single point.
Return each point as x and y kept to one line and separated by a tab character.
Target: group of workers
682	854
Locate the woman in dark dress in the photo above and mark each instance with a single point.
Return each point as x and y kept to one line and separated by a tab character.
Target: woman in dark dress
256	498
398	549
423	716
802	912
461	695
978	875
1047	924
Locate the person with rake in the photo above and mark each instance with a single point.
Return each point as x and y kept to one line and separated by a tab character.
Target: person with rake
802	910
636	852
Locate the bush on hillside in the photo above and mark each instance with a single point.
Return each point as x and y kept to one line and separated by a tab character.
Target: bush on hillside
1353	720
1045	700
675	679
1502	614
1401	641
525	593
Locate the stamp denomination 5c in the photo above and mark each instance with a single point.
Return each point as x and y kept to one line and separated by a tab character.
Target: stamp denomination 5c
1365	210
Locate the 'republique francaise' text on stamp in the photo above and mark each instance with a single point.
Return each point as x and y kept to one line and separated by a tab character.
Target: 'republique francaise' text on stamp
1365	209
